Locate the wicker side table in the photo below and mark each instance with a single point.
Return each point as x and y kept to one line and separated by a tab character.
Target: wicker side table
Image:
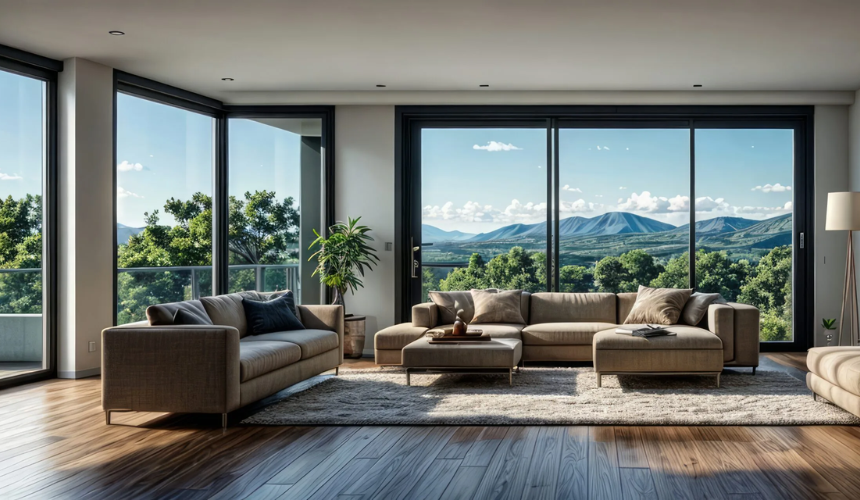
353	336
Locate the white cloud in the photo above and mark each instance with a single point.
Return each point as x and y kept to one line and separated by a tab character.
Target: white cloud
772	188
606	148
622	187
10	177
572	190
598	196
125	166
708	204
470	212
122	193
646	203
579	205
497	146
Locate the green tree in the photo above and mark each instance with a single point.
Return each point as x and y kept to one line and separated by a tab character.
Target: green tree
262	230
609	273
716	273
641	269
676	274
578	279
769	289
465	278
21	248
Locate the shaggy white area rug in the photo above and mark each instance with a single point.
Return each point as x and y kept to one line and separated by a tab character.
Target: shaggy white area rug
563	396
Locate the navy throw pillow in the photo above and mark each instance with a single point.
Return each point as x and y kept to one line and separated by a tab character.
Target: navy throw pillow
271	316
183	317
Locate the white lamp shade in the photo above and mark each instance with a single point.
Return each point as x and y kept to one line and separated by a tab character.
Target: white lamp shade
843	211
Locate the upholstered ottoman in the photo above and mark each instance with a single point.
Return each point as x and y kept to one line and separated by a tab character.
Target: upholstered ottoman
692	351
834	374
496	356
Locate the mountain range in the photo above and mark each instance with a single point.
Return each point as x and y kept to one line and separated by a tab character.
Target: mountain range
611	223
123	233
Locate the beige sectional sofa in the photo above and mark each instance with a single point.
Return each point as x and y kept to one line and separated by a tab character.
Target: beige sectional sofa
157	366
834	374
562	326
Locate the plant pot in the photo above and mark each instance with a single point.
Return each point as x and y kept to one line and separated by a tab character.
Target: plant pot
353	336
337	298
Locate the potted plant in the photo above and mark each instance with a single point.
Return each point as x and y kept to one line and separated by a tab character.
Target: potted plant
829	326
343	257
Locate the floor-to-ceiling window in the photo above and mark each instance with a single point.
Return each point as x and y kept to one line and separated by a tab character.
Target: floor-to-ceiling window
484	208
275	192
705	198
165	164
26	142
744	221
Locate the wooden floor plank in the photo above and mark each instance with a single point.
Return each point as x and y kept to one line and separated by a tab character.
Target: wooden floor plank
505	477
461	442
573	469
604	480
481	452
464	483
631	450
542	477
322	449
435	480
637	484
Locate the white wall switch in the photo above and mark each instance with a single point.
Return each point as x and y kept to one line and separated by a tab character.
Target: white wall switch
92	347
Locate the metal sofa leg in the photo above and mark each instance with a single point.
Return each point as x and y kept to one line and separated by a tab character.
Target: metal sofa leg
599	380
223	420
107	417
718	380
336	371
753	371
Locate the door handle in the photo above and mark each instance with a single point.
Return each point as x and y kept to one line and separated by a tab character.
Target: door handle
415	263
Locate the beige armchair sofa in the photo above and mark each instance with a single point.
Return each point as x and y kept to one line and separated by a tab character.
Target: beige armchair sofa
834	374
157	366
561	327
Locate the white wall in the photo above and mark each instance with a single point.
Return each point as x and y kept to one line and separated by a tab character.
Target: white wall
831	174
85	259
364	186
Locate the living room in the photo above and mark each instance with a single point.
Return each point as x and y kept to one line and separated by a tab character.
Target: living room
466	249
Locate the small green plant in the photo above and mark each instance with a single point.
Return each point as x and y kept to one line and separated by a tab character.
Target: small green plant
343	257
828	324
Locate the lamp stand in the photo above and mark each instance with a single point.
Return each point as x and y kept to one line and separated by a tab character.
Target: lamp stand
849	298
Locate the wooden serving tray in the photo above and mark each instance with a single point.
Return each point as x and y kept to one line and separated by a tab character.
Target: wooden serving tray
460	338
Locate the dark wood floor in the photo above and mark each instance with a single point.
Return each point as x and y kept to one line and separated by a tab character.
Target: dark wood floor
54	444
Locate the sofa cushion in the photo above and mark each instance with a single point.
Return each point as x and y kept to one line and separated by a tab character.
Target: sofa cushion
838	365
563	333
696	308
311	342
495	330
397	336
658	305
450	302
572	307
163	314
271	316
260	358
685	338
498	306
183	317
624	303
227	310
269	296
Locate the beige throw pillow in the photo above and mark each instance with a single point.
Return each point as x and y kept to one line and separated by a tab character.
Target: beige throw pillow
451	302
697	306
658	305
498	306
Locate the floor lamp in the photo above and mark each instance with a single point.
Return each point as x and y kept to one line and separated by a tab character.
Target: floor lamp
843	214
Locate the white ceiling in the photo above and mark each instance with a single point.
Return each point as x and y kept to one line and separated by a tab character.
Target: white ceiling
453	45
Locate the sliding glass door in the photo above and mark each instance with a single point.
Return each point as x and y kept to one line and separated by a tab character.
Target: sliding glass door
593	204
26	141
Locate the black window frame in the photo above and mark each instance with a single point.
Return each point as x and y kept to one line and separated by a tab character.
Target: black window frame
410	120
161	93
46	70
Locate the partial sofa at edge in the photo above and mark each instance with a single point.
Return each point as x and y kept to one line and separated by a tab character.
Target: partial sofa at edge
215	368
561	326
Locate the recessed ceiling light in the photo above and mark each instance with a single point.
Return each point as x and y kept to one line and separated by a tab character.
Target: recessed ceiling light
697	85
226	79
116	33
483	85
380	86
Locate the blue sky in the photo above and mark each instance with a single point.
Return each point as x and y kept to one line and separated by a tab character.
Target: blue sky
165	152
21	135
476	180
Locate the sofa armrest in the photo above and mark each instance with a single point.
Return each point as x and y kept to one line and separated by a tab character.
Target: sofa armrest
324	317
721	321
425	315
746	326
182	369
